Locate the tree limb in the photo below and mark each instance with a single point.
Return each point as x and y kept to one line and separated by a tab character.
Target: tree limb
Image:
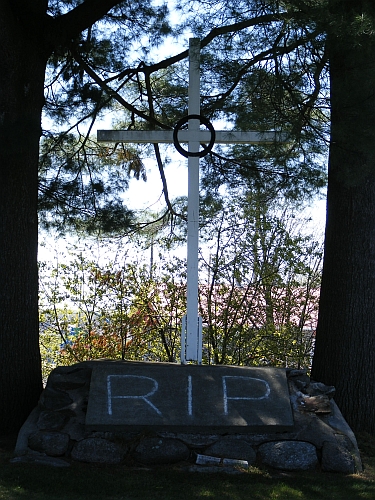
62	29
111	92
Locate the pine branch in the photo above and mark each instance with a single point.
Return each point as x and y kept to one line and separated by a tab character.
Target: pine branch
113	93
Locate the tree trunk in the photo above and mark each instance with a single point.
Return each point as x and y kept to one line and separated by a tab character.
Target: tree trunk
27	37
21	100
345	339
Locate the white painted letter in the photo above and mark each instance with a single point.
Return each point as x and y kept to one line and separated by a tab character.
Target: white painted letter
130	388
237	390
190	396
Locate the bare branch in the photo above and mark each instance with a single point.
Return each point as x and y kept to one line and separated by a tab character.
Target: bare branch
157	153
113	93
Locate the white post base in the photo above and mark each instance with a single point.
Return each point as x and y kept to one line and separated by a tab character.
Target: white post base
193	355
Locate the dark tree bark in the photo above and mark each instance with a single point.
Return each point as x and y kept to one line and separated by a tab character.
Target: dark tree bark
345	340
21	99
27	38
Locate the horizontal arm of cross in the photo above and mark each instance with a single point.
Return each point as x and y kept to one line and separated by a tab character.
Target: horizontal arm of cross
166	136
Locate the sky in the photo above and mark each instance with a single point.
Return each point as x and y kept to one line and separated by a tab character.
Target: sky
149	195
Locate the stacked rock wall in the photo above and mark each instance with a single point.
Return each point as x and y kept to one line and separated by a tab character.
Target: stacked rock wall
55	434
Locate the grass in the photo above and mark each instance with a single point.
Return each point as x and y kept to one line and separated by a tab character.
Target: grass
84	482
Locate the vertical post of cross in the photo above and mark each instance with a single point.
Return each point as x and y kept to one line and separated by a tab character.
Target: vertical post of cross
191	331
193	341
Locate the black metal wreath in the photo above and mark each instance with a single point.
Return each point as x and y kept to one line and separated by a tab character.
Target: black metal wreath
203	121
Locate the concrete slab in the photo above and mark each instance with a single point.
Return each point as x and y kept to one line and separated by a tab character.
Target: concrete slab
129	395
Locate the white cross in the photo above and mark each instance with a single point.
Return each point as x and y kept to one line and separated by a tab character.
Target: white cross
191	338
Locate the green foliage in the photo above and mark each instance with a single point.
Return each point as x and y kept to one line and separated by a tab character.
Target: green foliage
118	311
261	300
259	303
81	183
264	67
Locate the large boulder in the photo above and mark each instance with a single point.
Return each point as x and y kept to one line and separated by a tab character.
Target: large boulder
67	378
54	399
53	420
98	450
337	458
54	444
289	455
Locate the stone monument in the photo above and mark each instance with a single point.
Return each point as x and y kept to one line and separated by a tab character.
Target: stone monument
215	417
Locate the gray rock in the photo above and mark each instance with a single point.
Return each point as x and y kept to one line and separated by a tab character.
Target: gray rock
294	372
75	427
52	420
53	399
69	378
22	444
53	444
192	440
232	447
319	389
257	439
336	421
289	455
97	450
299	378
301	382
313	429
60	419
40	460
127	438
337	458
157	450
